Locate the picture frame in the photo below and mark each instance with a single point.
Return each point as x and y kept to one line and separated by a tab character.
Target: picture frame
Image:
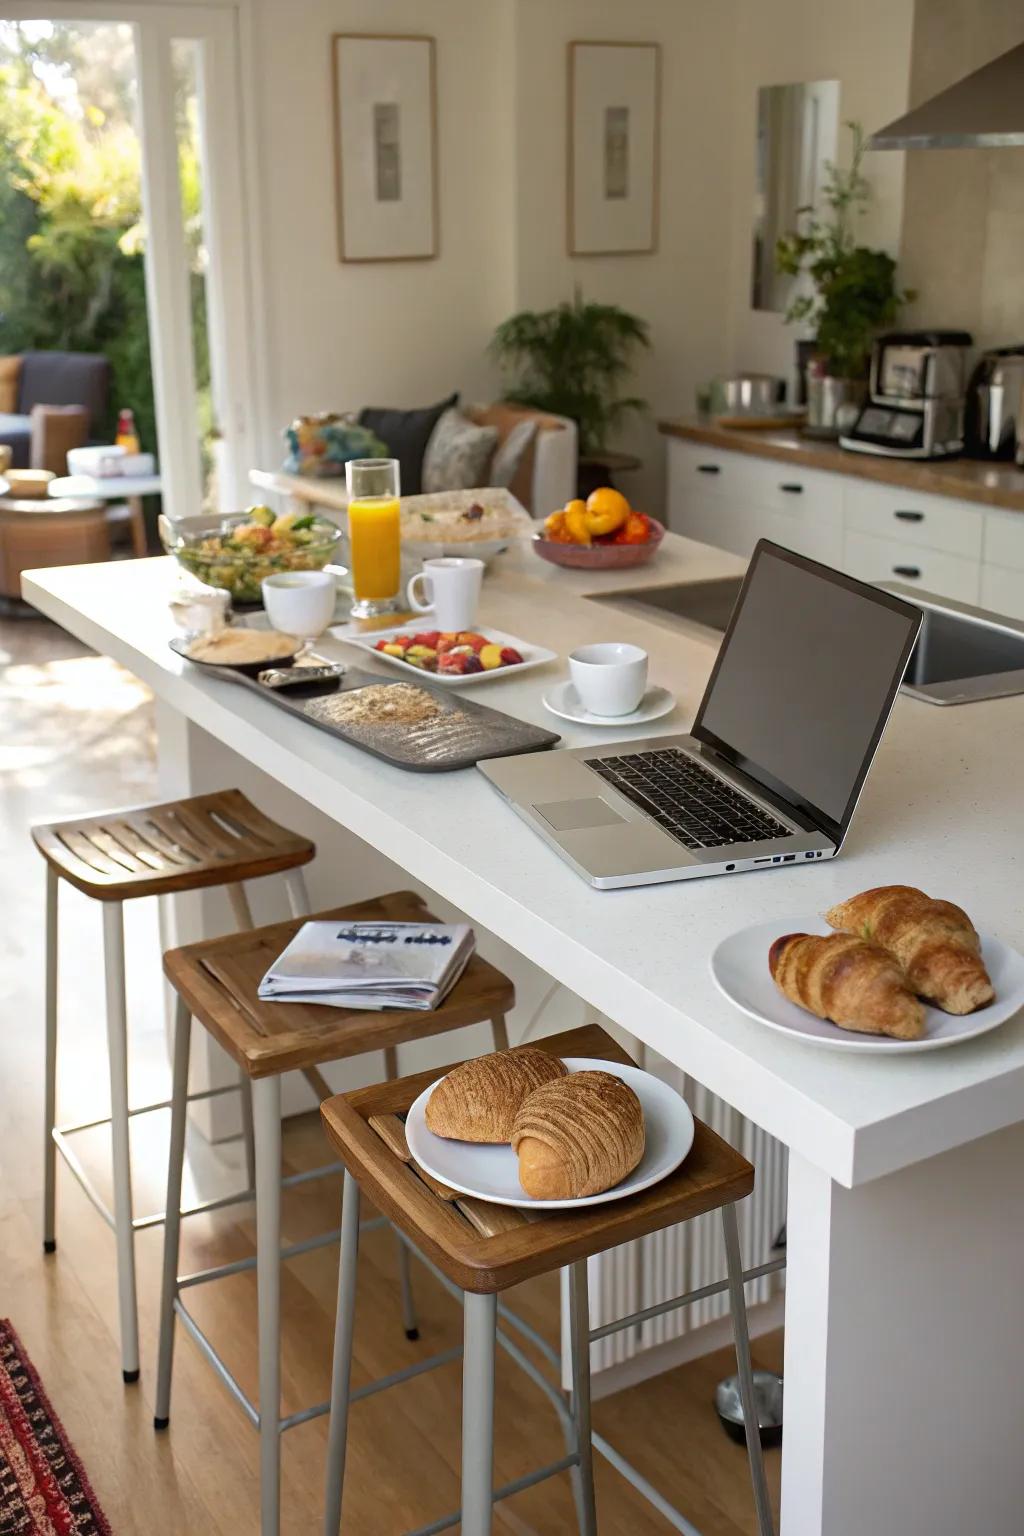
384	89
613	143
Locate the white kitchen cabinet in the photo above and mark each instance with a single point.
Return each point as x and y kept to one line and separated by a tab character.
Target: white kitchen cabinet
932	522
1004	540
1002	590
932	570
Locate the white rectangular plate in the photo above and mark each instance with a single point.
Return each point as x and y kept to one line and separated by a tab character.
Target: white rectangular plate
533	655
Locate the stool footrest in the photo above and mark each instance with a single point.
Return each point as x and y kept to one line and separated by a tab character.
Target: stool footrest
504	1492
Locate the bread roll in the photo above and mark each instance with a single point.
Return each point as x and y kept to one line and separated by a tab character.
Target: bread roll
844	979
478	1100
935	942
578	1136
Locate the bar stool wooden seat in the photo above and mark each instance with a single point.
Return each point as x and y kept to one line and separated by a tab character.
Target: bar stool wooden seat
477	1250
216	982
150	850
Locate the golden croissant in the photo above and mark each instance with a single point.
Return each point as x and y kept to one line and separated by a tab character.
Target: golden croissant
478	1100
845	979
934	941
578	1136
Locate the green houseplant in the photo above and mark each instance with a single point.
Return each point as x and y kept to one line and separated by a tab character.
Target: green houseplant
855	294
573	361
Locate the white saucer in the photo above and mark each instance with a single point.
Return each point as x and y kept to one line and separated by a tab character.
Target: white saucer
564	701
491	1173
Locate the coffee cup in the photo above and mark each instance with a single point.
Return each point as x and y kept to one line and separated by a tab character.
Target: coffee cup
452	587
300	602
610	677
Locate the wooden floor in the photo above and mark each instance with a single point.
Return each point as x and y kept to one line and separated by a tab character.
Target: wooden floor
76	734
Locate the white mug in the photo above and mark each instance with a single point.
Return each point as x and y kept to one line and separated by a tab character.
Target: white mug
453	591
300	602
610	678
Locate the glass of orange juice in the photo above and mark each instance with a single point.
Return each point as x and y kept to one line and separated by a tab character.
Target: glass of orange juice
373	534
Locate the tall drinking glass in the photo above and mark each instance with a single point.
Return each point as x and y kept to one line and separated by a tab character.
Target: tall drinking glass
373	532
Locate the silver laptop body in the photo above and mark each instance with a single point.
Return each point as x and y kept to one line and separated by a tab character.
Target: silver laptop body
789	723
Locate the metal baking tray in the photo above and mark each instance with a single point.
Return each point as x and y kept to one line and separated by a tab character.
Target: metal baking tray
463	734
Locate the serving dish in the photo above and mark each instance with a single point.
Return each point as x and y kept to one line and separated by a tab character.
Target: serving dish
739	966
458	533
492	1172
236	552
600	557
533	655
180	646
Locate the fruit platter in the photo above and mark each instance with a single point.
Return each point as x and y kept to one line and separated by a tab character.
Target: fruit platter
603	533
454	658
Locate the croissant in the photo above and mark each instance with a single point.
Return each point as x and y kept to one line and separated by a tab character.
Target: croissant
578	1136
478	1100
934	941
855	984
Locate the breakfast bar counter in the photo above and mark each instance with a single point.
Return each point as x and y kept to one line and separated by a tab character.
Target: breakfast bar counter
906	1204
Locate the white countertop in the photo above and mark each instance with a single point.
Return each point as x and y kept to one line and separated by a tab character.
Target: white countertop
941	809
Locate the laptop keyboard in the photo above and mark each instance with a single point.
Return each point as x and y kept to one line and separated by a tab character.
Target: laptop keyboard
692	804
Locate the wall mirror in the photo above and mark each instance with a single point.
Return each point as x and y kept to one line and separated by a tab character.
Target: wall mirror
797	127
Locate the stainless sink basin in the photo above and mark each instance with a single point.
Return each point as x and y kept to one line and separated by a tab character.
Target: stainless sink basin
962	655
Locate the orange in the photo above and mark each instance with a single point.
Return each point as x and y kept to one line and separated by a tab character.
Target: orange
606	501
576	506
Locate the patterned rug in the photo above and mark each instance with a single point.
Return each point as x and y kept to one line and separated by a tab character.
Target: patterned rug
43	1488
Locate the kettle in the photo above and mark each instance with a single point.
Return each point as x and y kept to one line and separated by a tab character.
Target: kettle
994	426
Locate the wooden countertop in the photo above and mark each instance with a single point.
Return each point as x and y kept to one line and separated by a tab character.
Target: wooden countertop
991	485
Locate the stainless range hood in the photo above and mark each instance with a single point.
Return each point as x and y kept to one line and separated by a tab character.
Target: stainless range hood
983	111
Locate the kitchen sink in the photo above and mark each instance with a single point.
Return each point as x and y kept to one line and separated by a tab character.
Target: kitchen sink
962	655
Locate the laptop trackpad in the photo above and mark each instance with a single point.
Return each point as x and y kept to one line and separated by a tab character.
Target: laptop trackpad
575	815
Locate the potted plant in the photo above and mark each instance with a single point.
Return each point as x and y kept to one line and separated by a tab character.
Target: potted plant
855	295
572	361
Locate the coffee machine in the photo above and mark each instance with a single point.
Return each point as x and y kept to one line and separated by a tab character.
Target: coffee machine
995	406
915	405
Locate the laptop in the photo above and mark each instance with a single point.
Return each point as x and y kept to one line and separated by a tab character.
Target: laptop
771	772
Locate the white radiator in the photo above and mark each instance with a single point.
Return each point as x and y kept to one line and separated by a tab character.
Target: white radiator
683	1258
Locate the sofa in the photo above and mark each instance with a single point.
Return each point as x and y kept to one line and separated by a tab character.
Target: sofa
56	379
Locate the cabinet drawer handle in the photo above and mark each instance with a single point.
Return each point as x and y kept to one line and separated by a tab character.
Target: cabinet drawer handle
709	469
791	487
910	517
906	570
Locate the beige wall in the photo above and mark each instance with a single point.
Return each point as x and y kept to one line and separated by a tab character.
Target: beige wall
866	47
963	223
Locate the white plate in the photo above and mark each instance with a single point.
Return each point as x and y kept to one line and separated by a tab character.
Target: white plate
533	655
564	701
492	1172
739	966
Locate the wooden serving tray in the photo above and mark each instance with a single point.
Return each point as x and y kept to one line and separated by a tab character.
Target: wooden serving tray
463	734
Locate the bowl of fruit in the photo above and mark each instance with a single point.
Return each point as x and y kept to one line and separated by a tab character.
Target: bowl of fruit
453	657
236	552
603	533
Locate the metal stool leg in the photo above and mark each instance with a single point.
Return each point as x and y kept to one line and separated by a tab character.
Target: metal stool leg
409	1320
50	1089
579	1329
266	1094
298	896
481	1313
172	1221
499	1032
117	1053
239	899
738	1306
341	1371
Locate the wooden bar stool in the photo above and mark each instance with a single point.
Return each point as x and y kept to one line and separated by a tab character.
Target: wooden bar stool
216	982
149	850
477	1250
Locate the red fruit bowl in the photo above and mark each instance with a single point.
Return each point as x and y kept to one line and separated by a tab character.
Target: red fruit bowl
600	557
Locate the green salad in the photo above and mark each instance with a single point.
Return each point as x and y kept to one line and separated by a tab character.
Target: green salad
238	557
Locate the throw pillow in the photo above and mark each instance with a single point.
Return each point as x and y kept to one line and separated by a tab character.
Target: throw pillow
407	434
510	453
458	454
10	376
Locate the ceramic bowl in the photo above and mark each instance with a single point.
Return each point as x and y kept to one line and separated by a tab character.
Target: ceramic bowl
600	557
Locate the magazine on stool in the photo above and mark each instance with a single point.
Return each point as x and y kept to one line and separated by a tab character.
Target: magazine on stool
370	965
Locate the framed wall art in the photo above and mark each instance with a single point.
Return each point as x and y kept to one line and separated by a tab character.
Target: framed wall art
614	109
385	147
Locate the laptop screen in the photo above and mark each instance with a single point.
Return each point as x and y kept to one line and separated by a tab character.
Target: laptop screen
805	679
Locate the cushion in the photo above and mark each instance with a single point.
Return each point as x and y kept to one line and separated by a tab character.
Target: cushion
55	429
10	375
507	459
65	378
458	454
505	415
407	434
16	432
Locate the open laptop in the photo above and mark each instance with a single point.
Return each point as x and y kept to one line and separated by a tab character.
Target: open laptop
773	768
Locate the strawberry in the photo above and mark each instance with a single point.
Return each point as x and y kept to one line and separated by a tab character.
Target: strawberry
429	638
404	641
459	663
510	657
